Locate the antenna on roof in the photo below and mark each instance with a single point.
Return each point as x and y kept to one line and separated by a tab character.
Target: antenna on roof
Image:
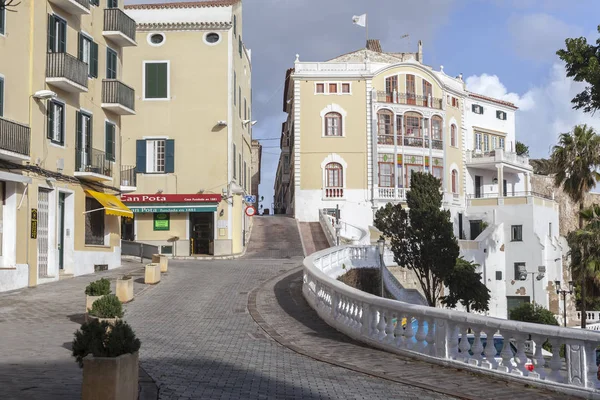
404	37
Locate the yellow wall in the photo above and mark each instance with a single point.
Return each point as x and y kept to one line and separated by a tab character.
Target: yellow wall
352	147
178	226
401	71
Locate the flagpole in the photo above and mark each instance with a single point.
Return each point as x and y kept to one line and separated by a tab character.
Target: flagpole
367	27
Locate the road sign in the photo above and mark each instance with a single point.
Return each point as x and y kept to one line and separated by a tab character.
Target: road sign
250	211
250	199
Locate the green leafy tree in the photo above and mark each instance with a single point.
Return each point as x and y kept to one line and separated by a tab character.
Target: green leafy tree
465	286
583	65
575	159
423	242
522	149
529	312
8	5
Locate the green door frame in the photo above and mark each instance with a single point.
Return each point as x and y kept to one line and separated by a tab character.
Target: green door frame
61	230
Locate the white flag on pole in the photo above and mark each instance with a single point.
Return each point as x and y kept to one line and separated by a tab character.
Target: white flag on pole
360	20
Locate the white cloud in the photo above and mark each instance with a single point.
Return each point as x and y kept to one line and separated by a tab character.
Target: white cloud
545	111
490	85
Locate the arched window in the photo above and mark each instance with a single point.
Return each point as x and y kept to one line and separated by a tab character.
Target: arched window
334	180
454	181
385	127
453	135
436	128
333	124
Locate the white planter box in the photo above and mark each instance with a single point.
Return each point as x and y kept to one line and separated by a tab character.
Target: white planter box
108	378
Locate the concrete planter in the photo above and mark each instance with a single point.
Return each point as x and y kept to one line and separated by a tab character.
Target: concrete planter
110	378
162	260
125	290
89	301
152	276
111	321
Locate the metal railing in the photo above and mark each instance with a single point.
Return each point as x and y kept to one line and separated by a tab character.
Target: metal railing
14	137
84	3
413	141
115	20
409	99
497	155
64	65
509	194
448	337
116	92
93	161
437	144
136	249
128	175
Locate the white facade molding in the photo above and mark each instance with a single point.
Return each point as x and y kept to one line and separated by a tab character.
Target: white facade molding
183	26
180	15
333	108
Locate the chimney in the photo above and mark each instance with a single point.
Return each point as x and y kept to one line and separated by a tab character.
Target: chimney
420	54
374	45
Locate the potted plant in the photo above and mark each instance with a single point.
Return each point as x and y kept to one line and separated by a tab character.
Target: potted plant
96	290
109	358
108	308
125	289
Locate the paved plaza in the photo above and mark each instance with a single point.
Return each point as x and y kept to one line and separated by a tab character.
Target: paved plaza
208	331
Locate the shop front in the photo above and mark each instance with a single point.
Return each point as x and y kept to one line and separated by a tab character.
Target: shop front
179	224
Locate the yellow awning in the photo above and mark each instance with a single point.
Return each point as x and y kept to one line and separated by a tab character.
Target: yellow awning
112	205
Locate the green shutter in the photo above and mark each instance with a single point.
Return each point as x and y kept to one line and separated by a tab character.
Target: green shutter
235	25
62	36
240	45
78	142
140	156
111	64
234	86
170	156
51	34
161	73
94	59
156	81
234	162
80	46
112	4
1	97
109	145
50	113
2	21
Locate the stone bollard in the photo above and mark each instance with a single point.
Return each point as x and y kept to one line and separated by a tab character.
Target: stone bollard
152	276
162	260
125	289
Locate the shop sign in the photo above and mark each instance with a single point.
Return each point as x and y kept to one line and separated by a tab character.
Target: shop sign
140	210
162	221
34	222
171	198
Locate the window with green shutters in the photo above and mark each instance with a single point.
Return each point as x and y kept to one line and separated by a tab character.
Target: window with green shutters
56	122
234	25
57	34
234	86
95	2
88	53
156	76
3	21
155	156
234	163
240	46
112	4
109	146
111	64
240	95
1	96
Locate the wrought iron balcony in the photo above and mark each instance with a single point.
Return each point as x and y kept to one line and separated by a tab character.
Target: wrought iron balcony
15	140
128	178
409	99
93	165
66	72
118	97
75	7
119	27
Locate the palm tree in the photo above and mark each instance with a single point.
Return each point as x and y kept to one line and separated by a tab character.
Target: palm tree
542	166
575	159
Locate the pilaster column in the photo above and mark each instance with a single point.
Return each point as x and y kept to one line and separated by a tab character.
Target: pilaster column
395	132
527	177
500	180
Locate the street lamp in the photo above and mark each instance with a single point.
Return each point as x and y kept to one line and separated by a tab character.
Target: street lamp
564	295
381	248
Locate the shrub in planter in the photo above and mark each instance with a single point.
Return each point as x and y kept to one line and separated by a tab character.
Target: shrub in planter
109	358
100	287
108	306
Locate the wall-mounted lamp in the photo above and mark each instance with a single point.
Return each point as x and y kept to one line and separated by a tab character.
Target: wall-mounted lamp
495	181
221	213
159	191
44	95
200	191
247	121
222	123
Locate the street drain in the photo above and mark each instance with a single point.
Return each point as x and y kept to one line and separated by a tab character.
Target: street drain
240	311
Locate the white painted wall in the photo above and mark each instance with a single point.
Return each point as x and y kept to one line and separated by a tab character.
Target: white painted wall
84	261
515	182
12	279
355	208
181	15
489	121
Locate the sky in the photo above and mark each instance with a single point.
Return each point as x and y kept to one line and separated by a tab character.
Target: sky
504	49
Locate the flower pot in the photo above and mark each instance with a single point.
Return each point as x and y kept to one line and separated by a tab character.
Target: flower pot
162	260
152	276
110	378
89	301
125	290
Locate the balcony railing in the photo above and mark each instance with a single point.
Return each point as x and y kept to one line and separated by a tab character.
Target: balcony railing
64	65
128	176
115	20
390	193
333	193
498	155
76	7
409	99
509	194
115	92
92	161
437	144
14	137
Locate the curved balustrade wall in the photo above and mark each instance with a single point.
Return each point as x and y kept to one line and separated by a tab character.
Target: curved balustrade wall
446	336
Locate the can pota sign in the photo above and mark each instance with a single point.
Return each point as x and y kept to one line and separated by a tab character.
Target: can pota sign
171	198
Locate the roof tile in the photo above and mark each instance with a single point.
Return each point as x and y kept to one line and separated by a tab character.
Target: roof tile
182	4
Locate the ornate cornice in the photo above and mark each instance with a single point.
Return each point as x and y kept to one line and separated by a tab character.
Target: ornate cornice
183	26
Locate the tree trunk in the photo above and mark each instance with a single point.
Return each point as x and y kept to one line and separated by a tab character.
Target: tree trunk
583	275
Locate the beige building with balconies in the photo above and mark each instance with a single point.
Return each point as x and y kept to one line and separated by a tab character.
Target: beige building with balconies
188	149
61	101
360	124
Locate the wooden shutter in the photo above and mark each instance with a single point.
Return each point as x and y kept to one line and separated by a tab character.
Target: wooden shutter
94	59
169	156
150	84
80	43
111	64
110	141
51	34
1	97
2	22
234	86
234	161
78	141
113	4
140	156
62	36
50	114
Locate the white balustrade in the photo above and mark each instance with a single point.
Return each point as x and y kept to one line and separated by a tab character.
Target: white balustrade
456	337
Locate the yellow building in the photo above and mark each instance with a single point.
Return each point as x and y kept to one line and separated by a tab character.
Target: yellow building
189	146
61	102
